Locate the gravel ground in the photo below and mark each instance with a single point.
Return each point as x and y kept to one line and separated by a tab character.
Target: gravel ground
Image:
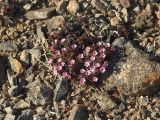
130	88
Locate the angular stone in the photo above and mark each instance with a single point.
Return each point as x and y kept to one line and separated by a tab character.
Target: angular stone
39	94
105	101
8	47
61	89
43	13
134	72
55	22
36	55
12	78
25	58
41	34
78	113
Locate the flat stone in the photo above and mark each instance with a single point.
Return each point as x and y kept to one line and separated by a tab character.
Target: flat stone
36	55
55	22
134	72
9	117
41	34
105	101
43	13
8	47
78	113
39	94
61	89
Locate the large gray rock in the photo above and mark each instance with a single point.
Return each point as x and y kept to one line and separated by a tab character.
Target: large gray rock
105	102
61	89
8	47
134	72
78	113
43	13
39	93
55	22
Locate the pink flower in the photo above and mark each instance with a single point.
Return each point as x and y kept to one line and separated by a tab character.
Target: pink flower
82	70
74	46
63	40
80	56
62	63
87	73
55	41
103	55
87	64
102	69
71	62
69	76
95	53
59	60
59	68
97	65
57	52
92	69
82	80
99	43
95	79
108	45
64	74
87	49
54	71
64	49
92	58
102	50
50	61
105	64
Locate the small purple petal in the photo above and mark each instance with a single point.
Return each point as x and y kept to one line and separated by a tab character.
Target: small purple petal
95	53
71	62
95	79
82	81
74	46
80	56
97	65
50	61
87	64
102	69
87	73
63	40
82	70
92	58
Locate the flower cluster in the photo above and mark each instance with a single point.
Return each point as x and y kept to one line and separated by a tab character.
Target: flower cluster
84	59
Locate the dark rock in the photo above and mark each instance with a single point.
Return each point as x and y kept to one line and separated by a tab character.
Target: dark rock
105	102
2	72
133	71
61	89
8	47
24	117
122	107
13	81
55	22
43	13
78	113
62	6
15	91
39	93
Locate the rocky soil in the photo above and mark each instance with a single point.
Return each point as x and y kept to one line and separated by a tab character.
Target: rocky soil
130	89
